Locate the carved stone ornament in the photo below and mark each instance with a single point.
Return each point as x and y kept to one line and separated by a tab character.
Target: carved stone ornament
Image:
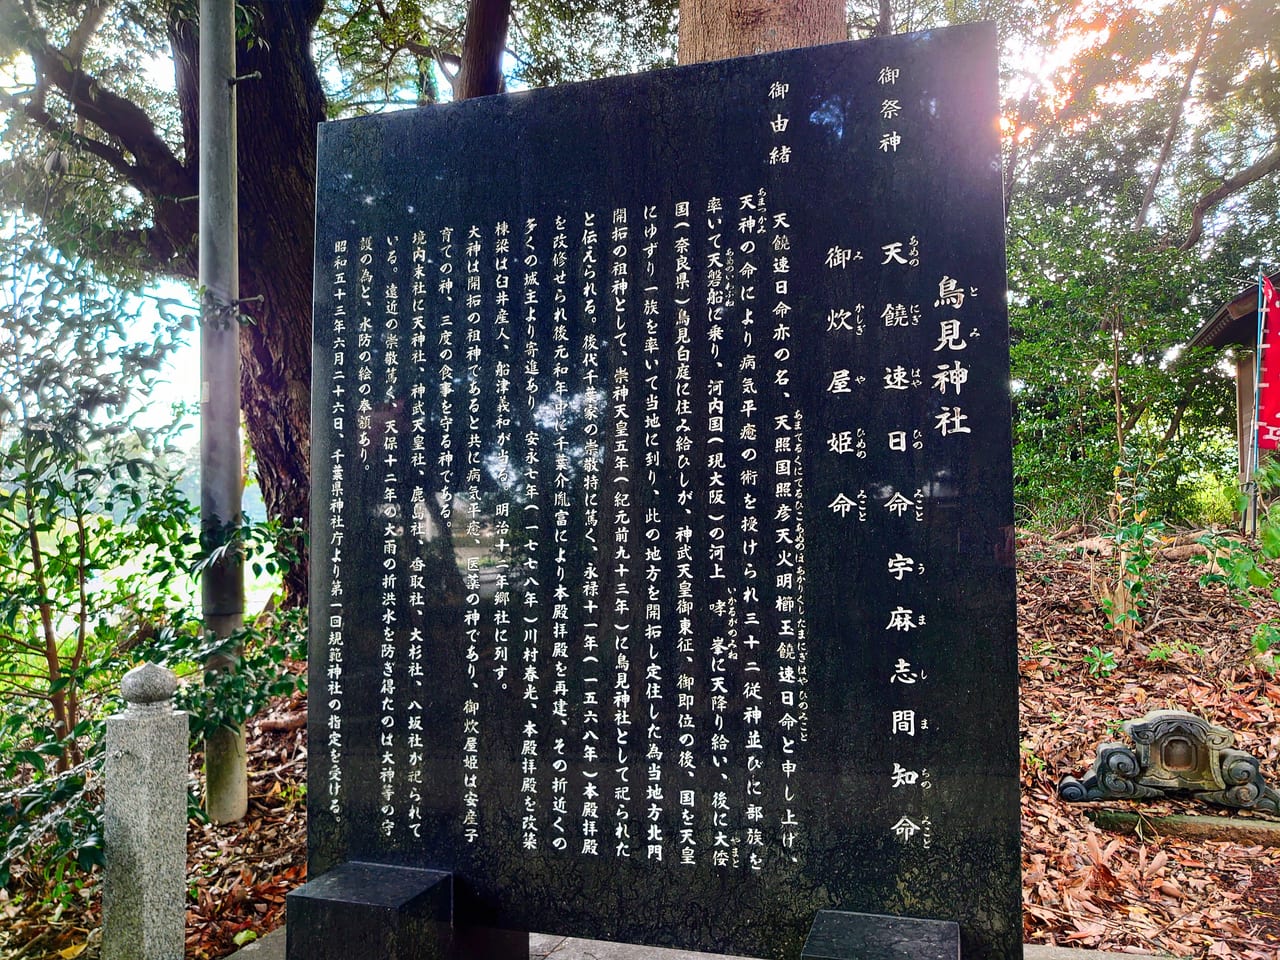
1174	753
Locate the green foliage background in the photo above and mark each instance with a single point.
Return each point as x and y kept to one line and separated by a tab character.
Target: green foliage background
98	555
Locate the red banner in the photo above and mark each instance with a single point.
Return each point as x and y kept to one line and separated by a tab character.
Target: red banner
1269	375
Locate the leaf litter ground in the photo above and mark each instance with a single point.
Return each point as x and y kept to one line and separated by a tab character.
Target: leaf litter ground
1082	886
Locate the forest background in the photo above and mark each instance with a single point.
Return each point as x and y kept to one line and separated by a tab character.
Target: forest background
1141	159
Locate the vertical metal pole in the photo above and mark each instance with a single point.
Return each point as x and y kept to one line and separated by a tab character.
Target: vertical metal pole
221	470
1246	391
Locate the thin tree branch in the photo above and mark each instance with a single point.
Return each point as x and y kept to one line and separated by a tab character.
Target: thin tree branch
94	13
157	171
57	699
82	595
165	256
39	116
442	57
25	676
1176	423
17	642
1134	416
32	692
1116	327
1174	121
379	102
884	21
1250	174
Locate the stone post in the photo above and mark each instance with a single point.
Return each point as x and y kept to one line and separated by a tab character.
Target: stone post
145	821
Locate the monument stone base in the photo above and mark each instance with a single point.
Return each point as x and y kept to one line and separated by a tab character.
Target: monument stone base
389	912
837	935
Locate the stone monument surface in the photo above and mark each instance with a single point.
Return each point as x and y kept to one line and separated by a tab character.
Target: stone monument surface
662	577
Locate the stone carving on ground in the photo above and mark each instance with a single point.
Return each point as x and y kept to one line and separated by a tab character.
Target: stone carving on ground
1174	753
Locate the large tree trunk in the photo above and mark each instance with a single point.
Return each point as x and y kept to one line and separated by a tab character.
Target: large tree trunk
482	49
278	115
277	235
715	29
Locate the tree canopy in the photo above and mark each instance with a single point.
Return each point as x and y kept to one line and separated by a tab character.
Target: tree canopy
1142	149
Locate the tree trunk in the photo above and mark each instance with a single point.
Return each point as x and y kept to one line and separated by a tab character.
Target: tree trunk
482	48
278	116
277	159
715	29
884	22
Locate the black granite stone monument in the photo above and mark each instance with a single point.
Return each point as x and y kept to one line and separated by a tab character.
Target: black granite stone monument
841	935
662	575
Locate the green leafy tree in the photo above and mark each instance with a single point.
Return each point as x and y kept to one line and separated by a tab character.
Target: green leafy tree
1180	99
1096	313
75	91
97	552
93	540
1141	165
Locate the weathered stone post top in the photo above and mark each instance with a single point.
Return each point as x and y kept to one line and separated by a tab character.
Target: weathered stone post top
149	686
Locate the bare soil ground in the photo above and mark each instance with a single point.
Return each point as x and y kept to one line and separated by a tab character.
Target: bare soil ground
1081	885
